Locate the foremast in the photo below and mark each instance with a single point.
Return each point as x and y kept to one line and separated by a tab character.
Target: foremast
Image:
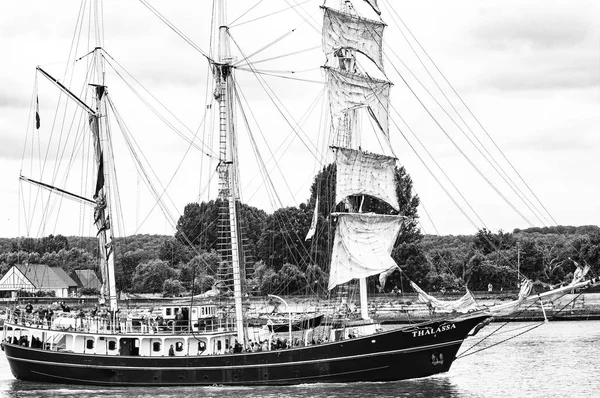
363	241
102	217
228	169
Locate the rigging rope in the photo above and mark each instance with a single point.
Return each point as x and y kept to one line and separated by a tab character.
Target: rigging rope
279	105
466	353
237	64
204	148
473	115
176	30
493	163
233	25
244	13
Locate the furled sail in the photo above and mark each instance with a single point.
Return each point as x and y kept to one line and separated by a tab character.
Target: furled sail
350	91
362	245
343	30
512	306
374	6
365	173
580	272
101	219
463	304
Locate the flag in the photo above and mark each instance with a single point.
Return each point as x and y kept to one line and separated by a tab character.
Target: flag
37	113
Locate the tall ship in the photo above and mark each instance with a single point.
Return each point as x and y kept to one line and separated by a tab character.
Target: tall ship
210	341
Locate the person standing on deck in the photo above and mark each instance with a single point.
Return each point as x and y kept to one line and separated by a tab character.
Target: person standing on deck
129	322
122	321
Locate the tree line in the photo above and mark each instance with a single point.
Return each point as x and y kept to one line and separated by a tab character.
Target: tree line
279	260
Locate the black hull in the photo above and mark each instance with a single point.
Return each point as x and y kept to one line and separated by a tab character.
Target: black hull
394	355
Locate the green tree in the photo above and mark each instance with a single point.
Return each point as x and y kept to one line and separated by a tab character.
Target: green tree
488	242
150	276
292	278
174	252
199	224
283	240
196	271
125	266
172	288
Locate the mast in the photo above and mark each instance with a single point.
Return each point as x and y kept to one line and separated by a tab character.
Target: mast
347	63
228	190
363	242
101	196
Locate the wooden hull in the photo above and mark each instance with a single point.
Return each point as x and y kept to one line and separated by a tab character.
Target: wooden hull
411	352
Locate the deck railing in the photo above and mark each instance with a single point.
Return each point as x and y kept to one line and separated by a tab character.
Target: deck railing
104	324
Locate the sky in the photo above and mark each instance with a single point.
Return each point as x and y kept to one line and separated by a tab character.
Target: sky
529	70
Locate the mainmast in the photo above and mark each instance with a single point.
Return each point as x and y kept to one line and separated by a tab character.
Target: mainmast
363	242
102	209
349	133
228	190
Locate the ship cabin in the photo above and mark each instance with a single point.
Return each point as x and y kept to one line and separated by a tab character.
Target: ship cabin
198	317
95	335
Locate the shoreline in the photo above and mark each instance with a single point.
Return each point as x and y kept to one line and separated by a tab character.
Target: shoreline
386	308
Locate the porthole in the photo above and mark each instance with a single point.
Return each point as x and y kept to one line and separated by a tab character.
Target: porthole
201	346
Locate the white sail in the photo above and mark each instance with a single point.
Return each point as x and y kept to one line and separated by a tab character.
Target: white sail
362	246
343	30
463	304
365	173
349	91
313	224
384	276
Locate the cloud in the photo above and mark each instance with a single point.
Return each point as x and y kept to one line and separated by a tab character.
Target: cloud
12	146
12	100
550	71
536	28
537	46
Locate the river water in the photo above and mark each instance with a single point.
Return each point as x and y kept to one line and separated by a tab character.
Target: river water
558	359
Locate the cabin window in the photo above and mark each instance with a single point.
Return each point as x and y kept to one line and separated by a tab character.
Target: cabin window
89	344
179	346
202	310
112	345
219	345
168	312
201	346
156	346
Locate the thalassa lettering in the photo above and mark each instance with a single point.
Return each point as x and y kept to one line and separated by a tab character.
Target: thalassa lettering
427	331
